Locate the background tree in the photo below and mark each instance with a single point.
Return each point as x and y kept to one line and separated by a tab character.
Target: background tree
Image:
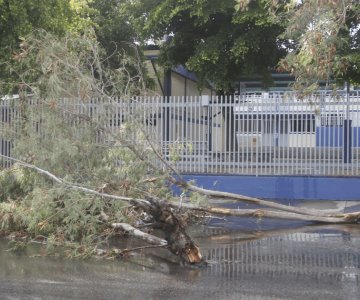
19	18
325	42
117	35
211	38
112	28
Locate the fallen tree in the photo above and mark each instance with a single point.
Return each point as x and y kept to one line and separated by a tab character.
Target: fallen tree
79	183
170	220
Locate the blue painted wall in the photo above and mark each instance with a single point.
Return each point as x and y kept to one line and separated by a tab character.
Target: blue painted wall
332	136
355	137
283	187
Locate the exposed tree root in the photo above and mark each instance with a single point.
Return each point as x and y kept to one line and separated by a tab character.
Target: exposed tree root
174	227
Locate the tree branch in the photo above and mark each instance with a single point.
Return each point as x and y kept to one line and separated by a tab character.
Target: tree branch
288	212
262	213
132	231
73	186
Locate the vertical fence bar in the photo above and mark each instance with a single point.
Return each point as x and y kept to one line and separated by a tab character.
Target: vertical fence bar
322	136
356	133
289	167
247	120
278	132
214	118
219	129
196	124
202	131
267	148
230	132
160	105
219	134
322	148
173	139
181	123
201	125
330	134
224	158
240	133
257	138
191	117
233	165
301	134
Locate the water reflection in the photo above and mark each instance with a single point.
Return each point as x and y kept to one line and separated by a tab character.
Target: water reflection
310	256
312	262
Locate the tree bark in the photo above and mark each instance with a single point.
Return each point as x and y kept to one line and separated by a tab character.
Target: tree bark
262	213
132	231
174	227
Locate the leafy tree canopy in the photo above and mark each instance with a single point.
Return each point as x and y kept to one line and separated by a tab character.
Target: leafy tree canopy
325	36
20	18
214	39
112	27
116	35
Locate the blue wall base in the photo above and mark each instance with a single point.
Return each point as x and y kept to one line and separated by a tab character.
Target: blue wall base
283	187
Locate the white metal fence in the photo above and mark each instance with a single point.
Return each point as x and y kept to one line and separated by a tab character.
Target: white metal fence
260	134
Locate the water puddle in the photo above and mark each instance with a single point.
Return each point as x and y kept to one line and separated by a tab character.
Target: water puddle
306	262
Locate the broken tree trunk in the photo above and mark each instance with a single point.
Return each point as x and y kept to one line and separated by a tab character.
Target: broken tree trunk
174	227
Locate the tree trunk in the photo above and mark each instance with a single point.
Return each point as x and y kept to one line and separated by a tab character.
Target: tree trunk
174	227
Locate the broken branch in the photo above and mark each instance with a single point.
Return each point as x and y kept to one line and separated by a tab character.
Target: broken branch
261	213
132	231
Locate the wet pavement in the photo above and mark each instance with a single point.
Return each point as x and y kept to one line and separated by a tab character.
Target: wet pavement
244	262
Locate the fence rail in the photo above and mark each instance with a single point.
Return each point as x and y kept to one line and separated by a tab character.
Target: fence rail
260	134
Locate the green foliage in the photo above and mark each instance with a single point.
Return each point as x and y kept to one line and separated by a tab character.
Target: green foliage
9	186
19	18
75	66
11	216
197	199
15	183
63	128
82	14
326	43
68	215
212	38
113	30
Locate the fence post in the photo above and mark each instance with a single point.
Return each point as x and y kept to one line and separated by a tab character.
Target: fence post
347	128
167	100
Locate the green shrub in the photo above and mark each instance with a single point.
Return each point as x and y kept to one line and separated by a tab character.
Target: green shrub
15	183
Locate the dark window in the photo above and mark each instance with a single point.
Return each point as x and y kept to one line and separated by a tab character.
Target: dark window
268	125
329	120
302	124
250	125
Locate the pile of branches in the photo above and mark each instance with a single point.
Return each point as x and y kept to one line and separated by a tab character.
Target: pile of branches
167	216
